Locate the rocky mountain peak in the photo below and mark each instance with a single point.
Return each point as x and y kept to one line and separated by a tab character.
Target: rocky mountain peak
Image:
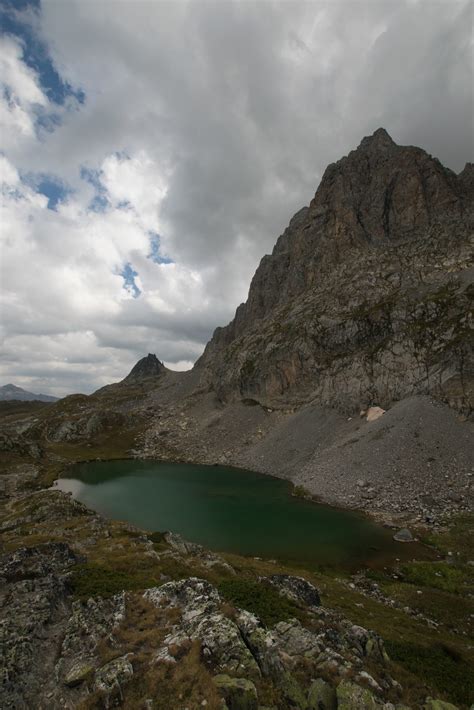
369	276
379	140
148	366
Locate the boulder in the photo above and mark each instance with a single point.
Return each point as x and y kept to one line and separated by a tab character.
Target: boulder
238	693
351	697
432	704
374	413
296	589
403	535
80	671
321	696
113	675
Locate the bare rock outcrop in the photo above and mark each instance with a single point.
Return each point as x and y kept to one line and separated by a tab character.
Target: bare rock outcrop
367	296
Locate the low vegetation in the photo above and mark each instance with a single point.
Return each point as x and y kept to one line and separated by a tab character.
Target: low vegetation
261	600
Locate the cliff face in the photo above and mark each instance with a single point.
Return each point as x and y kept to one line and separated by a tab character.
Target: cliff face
367	294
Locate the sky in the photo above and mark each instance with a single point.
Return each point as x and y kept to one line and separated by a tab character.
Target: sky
152	152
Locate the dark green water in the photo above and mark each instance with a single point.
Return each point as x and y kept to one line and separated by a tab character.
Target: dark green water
231	510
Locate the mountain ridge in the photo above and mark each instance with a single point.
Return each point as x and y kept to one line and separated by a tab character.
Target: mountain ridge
13	392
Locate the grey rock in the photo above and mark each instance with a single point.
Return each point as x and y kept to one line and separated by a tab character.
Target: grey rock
403	535
351	696
111	677
296	589
321	696
238	693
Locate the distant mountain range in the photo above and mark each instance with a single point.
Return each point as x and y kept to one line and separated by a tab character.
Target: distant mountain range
8	392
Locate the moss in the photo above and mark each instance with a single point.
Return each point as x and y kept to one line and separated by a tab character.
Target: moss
259	599
441	666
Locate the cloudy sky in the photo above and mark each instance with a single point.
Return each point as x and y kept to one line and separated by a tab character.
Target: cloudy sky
151	152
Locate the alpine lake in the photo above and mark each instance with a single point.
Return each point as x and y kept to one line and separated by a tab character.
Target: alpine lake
233	510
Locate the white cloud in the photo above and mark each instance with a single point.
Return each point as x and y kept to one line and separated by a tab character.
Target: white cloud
20	93
210	125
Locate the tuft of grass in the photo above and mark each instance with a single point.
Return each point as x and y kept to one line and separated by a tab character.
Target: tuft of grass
259	599
92	580
439	665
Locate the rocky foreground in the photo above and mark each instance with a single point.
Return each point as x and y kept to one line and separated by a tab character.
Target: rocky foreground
97	614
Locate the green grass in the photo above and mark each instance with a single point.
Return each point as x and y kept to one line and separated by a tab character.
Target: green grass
455	579
439	666
259	599
91	580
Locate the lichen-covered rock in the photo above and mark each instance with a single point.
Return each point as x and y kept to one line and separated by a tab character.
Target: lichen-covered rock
35	606
262	644
238	693
321	696
432	704
111	677
221	642
78	673
352	697
295	640
292	692
296	589
89	623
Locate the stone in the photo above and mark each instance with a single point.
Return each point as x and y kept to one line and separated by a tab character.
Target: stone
295	589
201	620
321	696
113	675
292	691
238	693
432	704
352	697
374	413
403	535
78	673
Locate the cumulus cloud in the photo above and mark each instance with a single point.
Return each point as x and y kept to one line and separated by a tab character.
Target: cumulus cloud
133	220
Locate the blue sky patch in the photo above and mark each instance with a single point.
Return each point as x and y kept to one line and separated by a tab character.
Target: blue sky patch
48	185
128	274
16	19
155	255
100	201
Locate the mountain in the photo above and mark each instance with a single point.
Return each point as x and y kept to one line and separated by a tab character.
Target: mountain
365	301
367	296
9	392
148	366
364	305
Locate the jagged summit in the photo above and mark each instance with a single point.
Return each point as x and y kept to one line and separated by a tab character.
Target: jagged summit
148	366
379	140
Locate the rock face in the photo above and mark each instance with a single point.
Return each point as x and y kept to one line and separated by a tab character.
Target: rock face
148	366
365	298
